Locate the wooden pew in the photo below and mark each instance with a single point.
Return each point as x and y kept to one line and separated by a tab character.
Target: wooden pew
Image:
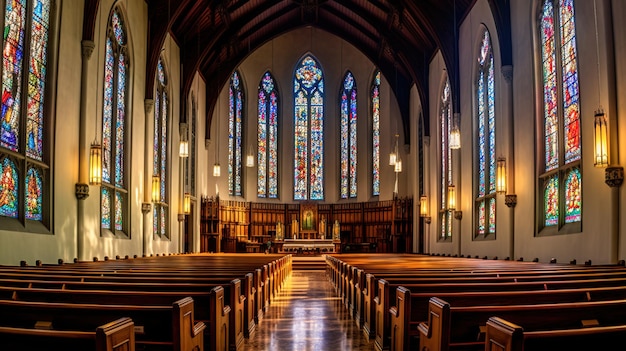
453	328
156	327
118	335
411	308
502	335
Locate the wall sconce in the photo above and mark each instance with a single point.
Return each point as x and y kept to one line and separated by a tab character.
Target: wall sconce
216	169
501	175
455	133
601	159
187	203
156	189
451	197
424	208
95	164
184	143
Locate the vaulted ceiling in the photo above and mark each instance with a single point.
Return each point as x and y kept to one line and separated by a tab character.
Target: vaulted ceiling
399	36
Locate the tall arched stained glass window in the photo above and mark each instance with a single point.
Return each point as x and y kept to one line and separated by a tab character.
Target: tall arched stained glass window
561	178
160	147
267	140
348	136
445	124
235	133
191	173
114	190
376	134
308	90
23	156
486	140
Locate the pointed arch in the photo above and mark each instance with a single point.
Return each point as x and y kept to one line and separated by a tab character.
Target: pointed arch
160	146
235	134
308	90
24	155
114	189
267	140
375	101
560	175
485	139
348	136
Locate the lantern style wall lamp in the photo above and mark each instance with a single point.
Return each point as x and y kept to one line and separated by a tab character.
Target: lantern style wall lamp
156	188
187	203
601	150
424	208
95	164
501	175
184	142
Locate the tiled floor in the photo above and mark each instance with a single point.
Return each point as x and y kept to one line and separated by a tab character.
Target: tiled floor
307	316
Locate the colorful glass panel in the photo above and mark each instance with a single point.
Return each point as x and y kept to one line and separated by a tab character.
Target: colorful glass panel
348	137
37	78
573	203
160	147
551	198
13	55
107	114
492	215
485	95
550	100
120	123
267	140
235	126
569	66
376	134
119	211
308	130
106	214
9	185
34	194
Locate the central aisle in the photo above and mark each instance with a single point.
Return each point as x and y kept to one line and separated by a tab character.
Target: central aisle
307	316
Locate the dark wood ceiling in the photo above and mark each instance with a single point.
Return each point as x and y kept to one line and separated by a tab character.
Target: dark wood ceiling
399	36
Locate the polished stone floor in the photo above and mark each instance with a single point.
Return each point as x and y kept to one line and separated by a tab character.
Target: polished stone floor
307	316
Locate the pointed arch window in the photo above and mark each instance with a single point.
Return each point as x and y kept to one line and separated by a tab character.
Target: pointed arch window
190	175
160	166
486	140
24	155
445	126
375	96
308	90
235	132
560	179
114	193
267	140
348	136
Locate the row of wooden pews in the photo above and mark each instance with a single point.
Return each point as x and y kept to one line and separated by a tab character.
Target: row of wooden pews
180	302
443	303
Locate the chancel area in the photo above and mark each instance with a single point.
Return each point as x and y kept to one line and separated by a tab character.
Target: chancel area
358	138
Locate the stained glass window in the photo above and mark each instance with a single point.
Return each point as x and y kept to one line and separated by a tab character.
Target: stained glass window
25	41
160	147
561	179
267	140
485	139
445	124
191	174
308	89
235	133
348	136
116	63
376	134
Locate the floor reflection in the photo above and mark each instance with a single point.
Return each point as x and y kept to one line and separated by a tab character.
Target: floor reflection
307	316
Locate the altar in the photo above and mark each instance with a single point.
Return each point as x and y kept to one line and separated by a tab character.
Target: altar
308	246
